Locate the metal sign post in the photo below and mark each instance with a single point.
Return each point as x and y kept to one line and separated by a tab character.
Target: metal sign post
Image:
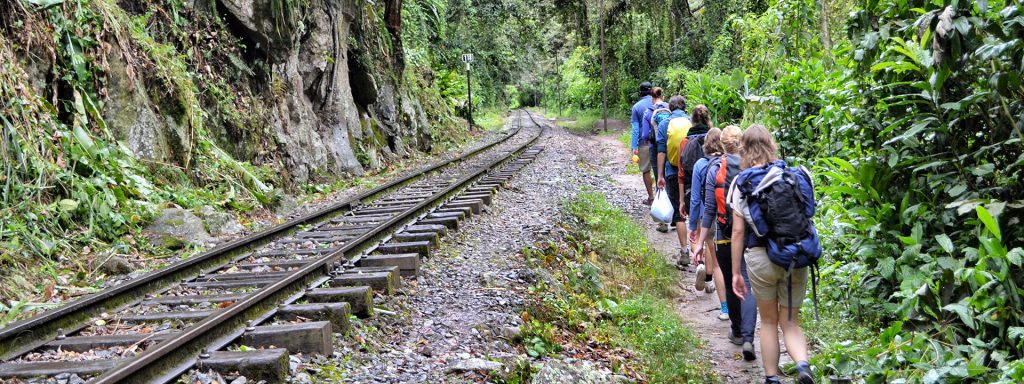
468	59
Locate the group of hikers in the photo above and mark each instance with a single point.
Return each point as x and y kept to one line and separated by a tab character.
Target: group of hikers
742	216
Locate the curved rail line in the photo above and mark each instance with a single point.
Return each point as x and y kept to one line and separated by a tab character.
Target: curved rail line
179	351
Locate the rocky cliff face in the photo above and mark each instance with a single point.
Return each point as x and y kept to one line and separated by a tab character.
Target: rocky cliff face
335	99
310	90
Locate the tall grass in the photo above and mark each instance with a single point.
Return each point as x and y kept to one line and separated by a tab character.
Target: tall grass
615	290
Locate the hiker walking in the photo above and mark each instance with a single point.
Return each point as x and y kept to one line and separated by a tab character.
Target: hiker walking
640	144
772	209
715	174
692	172
672	130
649	131
690	144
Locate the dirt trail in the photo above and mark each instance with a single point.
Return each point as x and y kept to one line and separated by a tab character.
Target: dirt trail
699	310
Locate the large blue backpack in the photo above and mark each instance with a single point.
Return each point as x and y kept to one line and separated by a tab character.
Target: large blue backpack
781	205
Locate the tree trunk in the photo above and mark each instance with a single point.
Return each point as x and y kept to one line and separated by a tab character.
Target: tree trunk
604	81
679	10
826	38
393	19
584	22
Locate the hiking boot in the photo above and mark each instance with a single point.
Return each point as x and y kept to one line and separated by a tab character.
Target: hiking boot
803	373
735	340
662	227
701	275
748	351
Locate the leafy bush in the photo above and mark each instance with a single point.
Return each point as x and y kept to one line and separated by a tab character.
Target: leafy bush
581	79
722	94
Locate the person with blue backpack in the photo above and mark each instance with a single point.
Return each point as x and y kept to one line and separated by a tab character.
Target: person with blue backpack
649	133
639	141
772	229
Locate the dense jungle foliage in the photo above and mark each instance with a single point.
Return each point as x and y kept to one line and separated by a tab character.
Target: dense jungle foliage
72	193
911	113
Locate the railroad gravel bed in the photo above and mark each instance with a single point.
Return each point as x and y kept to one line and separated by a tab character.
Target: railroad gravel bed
455	322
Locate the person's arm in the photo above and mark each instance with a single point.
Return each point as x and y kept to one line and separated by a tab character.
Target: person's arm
707	218
661	169
662	148
710	203
635	125
696	204
739	229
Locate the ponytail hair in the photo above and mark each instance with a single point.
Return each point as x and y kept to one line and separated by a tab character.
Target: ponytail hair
701	115
658	93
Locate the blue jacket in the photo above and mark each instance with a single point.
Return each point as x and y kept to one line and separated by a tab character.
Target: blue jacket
670	170
700	172
636	116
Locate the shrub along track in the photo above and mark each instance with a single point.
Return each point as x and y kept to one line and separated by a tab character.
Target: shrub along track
285	290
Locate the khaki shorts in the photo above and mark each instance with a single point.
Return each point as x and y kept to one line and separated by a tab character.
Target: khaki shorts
769	280
644	152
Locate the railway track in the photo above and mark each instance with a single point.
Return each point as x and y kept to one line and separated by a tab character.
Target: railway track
283	291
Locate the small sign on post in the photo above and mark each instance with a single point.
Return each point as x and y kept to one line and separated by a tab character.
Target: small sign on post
468	59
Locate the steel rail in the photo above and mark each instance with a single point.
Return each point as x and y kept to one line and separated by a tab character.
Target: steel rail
172	357
25	335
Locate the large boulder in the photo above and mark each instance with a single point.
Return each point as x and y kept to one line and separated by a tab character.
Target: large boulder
555	371
175	227
219	223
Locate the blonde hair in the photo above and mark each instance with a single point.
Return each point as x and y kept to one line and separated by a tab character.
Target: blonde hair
758	147
713	142
731	137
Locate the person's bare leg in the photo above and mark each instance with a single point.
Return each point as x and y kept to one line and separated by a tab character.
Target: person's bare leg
649	183
769	310
681	232
792	335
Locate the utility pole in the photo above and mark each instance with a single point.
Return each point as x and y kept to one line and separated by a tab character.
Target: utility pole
604	82
468	59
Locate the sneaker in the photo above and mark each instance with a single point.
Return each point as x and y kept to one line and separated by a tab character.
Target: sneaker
672	226
803	373
709	286
772	380
662	227
735	340
701	275
748	351
724	314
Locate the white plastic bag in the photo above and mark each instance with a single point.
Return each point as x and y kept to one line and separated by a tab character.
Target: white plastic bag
661	209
